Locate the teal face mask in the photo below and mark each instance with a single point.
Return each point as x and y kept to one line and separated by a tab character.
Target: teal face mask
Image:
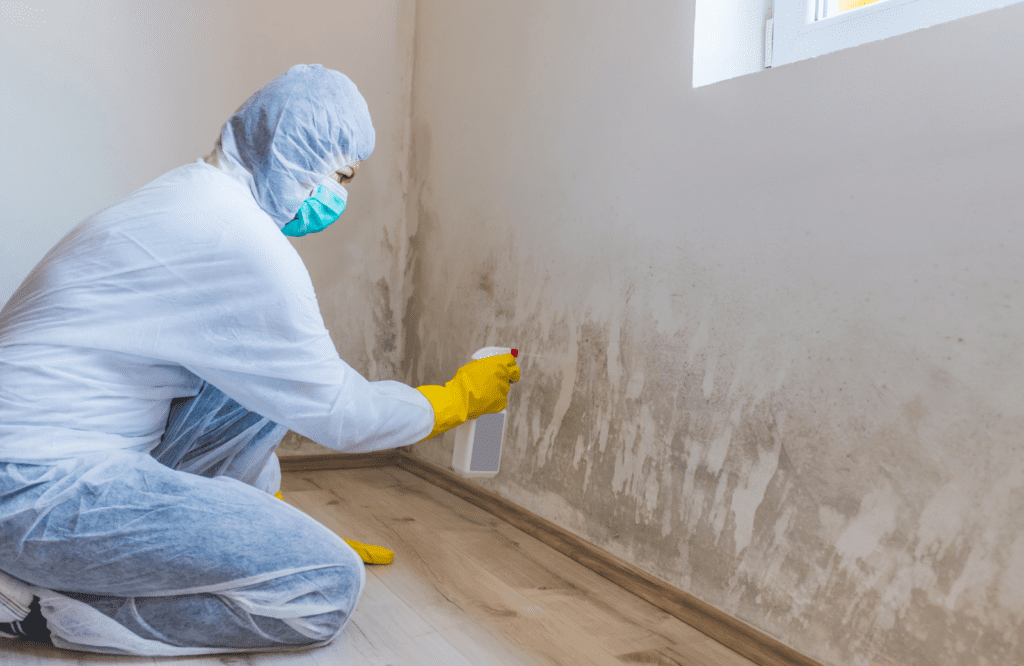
318	211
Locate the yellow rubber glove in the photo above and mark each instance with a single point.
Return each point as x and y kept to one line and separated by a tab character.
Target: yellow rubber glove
479	387
370	554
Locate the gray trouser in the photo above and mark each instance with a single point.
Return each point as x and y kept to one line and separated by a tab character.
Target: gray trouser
176	553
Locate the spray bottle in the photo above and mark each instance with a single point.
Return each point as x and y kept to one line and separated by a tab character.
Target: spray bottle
478	441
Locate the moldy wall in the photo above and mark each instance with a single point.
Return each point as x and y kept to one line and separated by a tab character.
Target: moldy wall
769	327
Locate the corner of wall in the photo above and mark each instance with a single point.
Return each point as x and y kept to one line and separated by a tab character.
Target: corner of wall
411	186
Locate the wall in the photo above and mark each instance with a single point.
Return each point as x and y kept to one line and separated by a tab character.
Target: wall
99	98
770	326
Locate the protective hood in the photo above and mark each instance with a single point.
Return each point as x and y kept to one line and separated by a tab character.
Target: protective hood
291	134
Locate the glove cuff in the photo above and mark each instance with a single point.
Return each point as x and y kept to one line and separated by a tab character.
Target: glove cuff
448	411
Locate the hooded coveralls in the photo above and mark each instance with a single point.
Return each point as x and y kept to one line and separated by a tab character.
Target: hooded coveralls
150	365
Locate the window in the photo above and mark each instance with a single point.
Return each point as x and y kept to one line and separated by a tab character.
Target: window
803	29
728	39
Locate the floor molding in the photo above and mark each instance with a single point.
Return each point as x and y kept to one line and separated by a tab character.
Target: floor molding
388	458
737	635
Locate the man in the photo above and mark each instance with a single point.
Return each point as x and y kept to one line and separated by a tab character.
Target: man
150	365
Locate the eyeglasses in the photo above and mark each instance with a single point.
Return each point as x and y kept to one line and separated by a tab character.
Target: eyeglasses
347	173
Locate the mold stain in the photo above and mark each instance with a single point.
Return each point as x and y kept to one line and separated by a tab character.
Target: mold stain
385	343
703	493
485	284
849	522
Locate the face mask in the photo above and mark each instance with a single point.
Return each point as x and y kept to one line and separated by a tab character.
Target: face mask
320	210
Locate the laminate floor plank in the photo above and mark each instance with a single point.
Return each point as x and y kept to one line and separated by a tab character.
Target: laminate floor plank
625	621
24	653
537	571
708	652
407	576
465	590
372	641
384	630
704	653
295	481
483	647
617	621
297	658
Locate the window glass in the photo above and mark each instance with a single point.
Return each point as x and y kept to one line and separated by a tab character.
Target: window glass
819	10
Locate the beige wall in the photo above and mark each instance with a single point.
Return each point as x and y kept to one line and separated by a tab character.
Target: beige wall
771	326
105	96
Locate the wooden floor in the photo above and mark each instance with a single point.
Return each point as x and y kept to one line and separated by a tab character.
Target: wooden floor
465	589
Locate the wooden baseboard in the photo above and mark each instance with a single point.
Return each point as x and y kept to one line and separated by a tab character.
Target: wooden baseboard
735	634
388	458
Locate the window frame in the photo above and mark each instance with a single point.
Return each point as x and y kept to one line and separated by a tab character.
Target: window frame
794	39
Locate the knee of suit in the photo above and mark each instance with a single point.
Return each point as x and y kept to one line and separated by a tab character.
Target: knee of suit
340	586
339	589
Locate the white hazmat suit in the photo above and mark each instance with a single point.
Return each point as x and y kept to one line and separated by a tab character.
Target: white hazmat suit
150	365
